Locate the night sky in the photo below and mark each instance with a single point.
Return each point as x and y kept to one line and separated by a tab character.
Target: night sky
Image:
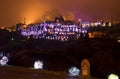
14	11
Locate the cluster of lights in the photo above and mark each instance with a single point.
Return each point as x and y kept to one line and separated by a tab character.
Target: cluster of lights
92	24
59	31
54	31
95	24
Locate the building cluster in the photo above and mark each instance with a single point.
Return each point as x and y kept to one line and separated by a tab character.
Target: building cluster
54	31
59	29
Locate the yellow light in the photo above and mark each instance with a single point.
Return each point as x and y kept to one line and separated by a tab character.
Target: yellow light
2	27
110	24
119	41
113	76
104	24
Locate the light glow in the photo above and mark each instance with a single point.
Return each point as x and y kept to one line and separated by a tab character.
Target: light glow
113	76
4	61
74	71
38	65
119	41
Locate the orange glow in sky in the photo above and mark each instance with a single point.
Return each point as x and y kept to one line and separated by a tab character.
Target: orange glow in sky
13	12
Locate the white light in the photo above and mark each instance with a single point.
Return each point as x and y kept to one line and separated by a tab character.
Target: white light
113	76
12	39
4	61
74	71
38	65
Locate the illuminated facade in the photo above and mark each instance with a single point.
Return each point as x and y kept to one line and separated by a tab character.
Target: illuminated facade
61	30
54	31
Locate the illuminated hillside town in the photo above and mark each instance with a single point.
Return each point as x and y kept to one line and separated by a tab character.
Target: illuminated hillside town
61	41
59	29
